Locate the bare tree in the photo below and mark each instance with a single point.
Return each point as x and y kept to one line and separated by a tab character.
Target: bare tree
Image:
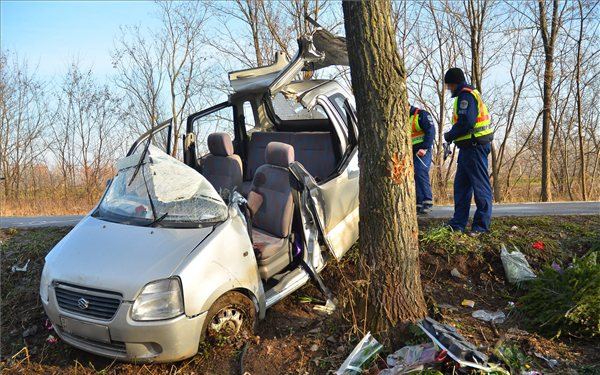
23	115
183	25
167	68
85	133
388	227
584	17
434	50
513	110
140	71
549	35
271	27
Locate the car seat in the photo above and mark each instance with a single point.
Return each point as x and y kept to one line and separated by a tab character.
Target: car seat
222	168
272	219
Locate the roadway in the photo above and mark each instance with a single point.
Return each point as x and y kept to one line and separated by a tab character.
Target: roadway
438	212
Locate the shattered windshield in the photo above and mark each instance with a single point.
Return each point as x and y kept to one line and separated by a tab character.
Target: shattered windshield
164	192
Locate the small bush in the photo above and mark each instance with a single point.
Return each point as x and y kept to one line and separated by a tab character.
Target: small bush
566	301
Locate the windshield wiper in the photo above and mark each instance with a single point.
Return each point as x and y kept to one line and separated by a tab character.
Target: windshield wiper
150	199
135	172
158	220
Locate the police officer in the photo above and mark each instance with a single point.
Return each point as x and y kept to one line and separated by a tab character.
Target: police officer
472	133
423	133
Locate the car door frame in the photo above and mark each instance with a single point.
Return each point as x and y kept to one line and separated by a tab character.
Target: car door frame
337	222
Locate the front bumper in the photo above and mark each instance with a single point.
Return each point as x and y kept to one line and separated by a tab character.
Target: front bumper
124	339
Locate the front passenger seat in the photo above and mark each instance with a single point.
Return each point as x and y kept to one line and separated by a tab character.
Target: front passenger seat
272	220
222	168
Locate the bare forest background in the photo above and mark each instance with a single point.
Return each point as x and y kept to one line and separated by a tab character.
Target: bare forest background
536	62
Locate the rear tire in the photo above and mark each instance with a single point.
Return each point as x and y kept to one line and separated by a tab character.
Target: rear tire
233	315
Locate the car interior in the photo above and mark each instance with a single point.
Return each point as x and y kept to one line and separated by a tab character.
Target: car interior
255	163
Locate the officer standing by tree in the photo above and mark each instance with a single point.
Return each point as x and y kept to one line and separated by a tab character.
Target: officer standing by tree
472	133
423	132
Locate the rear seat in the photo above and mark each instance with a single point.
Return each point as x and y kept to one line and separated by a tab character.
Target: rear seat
314	150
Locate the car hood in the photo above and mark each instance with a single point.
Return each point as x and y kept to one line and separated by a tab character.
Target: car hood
120	258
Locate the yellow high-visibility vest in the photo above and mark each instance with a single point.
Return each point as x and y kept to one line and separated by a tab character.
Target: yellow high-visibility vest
482	123
418	135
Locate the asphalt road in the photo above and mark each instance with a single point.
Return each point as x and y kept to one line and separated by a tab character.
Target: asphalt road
512	209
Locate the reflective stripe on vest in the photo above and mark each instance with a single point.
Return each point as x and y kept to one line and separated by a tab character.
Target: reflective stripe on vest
482	122
418	135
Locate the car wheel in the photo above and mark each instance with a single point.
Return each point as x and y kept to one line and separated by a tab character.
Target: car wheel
232	315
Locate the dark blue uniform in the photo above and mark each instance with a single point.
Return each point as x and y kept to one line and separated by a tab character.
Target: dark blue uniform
422	164
472	177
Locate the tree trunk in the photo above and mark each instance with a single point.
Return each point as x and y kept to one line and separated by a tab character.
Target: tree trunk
388	225
496	175
549	39
579	120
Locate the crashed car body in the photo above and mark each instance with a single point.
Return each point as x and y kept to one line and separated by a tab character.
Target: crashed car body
174	251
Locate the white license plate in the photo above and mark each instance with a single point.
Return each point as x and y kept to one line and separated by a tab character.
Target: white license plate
86	330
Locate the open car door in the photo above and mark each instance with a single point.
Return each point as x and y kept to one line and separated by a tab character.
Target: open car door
334	205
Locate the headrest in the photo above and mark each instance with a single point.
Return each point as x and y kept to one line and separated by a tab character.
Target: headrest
219	144
280	154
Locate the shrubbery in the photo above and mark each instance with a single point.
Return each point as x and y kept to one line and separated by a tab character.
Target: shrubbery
566	300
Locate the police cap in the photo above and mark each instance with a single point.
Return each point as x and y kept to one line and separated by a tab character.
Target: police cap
454	75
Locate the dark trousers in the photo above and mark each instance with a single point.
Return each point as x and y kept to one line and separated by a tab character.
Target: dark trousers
472	178
422	185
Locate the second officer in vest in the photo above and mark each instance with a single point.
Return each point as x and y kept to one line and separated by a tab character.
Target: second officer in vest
423	133
472	133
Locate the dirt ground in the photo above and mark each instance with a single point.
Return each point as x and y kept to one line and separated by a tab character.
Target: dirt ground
296	339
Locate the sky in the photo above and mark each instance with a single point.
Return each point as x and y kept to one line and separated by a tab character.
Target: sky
52	34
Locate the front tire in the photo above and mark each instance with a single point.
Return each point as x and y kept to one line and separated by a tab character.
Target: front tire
232	315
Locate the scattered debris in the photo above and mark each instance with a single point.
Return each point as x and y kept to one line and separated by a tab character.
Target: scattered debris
16	268
552	363
412	358
314	348
538	245
516	267
457	347
489	316
48	325
449	308
401	370
456	274
514	228
51	339
513	357
468	303
364	352
328	308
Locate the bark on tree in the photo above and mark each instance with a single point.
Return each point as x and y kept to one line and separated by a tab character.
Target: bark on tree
579	119
388	225
549	39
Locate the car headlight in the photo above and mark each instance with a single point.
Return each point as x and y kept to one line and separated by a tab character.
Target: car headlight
44	285
160	299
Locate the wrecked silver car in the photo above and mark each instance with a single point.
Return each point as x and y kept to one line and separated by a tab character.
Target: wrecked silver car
176	251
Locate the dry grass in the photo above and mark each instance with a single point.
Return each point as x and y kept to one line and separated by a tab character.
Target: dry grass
45	206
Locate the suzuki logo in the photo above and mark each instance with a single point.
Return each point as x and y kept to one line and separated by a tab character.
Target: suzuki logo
83	303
